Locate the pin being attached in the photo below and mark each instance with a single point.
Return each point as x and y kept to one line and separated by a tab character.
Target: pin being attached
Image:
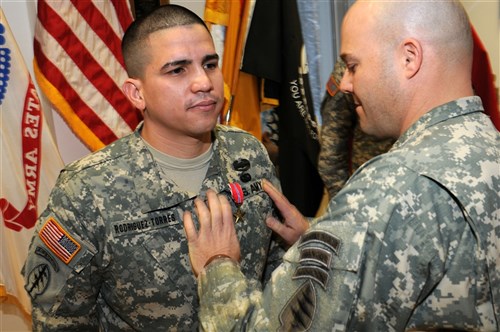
238	198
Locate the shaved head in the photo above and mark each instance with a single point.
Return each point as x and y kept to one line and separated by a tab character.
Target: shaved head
398	54
444	24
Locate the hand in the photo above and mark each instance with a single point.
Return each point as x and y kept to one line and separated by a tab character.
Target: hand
216	235
294	223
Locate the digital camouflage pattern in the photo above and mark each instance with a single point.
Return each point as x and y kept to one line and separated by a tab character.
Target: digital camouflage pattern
114	253
344	147
411	242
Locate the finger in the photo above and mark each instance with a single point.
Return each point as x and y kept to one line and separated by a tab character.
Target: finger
271	190
229	228
189	227
289	235
203	214
215	210
275	225
278	198
227	212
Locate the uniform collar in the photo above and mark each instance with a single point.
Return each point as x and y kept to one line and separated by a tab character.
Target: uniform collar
453	109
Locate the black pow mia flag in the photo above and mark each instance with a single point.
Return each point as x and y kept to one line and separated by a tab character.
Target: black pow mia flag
275	52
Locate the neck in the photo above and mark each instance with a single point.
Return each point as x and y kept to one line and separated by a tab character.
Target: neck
179	146
433	92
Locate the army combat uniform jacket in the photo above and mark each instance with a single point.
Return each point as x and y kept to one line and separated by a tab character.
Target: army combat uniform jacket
110	252
410	243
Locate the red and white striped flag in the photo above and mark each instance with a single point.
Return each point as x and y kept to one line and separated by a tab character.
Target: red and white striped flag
79	67
59	241
30	164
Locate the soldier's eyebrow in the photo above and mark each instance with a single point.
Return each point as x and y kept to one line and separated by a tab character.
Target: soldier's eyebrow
346	57
176	63
185	62
210	57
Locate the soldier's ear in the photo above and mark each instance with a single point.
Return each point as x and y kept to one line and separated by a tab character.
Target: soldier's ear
411	56
132	90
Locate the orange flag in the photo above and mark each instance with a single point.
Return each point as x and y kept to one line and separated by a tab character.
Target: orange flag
228	21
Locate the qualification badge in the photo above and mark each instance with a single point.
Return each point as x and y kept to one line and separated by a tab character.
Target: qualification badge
238	196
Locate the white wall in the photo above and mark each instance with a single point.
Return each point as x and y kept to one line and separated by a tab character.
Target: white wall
485	16
21	16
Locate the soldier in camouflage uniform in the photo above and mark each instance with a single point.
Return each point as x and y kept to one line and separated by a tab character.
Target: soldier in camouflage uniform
109	252
344	147
411	242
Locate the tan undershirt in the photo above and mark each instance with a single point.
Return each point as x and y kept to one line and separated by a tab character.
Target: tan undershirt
187	174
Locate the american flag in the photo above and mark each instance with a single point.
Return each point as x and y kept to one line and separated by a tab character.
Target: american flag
60	242
79	67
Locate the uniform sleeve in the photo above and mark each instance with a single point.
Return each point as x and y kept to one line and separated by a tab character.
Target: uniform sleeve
227	307
58	275
312	288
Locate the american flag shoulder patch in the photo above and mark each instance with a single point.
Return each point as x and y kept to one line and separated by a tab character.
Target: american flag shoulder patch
59	241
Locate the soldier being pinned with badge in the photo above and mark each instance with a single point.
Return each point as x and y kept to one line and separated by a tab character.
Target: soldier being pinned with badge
109	253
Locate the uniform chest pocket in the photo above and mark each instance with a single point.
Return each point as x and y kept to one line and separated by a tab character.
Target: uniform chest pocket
168	249
168	245
157	234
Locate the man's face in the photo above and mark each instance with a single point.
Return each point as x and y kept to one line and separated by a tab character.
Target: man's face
182	86
370	76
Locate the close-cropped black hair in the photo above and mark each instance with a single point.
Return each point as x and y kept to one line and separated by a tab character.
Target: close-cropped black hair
163	17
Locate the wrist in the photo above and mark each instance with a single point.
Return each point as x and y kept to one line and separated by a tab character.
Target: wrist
221	271
215	258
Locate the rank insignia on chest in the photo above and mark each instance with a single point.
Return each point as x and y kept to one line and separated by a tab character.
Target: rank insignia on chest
238	198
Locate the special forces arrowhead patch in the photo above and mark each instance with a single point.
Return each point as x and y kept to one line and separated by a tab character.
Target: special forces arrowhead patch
298	314
317	250
38	280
